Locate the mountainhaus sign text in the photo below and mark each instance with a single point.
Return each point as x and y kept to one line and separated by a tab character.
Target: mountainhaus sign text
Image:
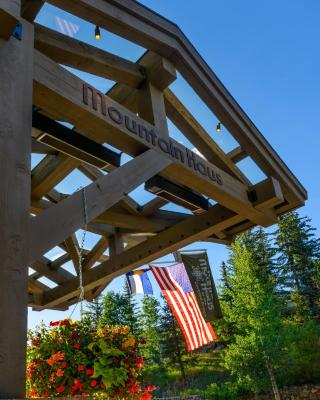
166	145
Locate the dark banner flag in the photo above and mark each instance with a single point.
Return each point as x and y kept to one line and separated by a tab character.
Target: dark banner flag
199	272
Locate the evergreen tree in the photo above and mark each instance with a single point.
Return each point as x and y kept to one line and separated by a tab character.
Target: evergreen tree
173	345
298	261
120	309
225	282
255	313
150	330
94	310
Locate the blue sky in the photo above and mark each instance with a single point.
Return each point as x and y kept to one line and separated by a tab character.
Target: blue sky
267	54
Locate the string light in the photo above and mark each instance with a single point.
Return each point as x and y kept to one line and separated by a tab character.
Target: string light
97	33
218	127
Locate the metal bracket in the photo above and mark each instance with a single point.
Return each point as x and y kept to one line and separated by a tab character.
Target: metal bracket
17	33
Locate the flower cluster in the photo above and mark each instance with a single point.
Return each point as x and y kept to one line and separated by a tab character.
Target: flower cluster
73	359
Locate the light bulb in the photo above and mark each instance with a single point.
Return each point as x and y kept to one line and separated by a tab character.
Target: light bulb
97	33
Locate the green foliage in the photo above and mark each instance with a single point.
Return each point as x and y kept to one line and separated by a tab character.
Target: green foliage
298	262
76	359
270	332
172	342
149	319
94	310
255	313
120	309
105	367
226	391
302	361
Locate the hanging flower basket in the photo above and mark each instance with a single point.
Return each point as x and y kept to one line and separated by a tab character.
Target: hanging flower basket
71	359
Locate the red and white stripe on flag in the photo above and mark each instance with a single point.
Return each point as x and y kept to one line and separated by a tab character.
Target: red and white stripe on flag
185	308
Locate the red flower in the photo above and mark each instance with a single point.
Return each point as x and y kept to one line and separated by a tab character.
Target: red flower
77	384
89	371
127	361
63	364
150	388
134	389
80	368
46	394
139	364
77	346
145	396
93	383
102	386
61	389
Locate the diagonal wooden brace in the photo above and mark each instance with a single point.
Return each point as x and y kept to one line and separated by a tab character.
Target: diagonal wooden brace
57	223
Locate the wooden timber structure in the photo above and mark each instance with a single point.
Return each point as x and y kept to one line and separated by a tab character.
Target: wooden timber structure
37	91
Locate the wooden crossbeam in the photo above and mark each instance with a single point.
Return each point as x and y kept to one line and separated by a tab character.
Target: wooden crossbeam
139	24
237	154
137	222
9	17
152	206
128	203
197	135
73	249
31	8
95	253
58	222
194	228
44	267
49	172
69	101
76	54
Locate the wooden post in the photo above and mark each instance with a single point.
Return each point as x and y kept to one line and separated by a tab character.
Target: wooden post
16	66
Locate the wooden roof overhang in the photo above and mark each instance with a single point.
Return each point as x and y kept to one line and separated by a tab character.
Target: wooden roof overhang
132	117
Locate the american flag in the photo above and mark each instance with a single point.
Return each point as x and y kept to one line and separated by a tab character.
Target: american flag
66	27
177	290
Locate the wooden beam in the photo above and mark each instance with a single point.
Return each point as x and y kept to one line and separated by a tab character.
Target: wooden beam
58	222
141	25
31	8
16	66
159	70
167	241
73	249
197	227
127	202
237	154
76	54
45	267
49	172
198	136
116	244
152	206
9	17
151	107
37	289
94	255
136	222
51	92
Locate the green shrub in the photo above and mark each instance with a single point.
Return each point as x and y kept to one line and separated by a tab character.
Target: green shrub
225	391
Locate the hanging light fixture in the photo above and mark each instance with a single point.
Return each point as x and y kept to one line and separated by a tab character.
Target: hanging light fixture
97	33
218	127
